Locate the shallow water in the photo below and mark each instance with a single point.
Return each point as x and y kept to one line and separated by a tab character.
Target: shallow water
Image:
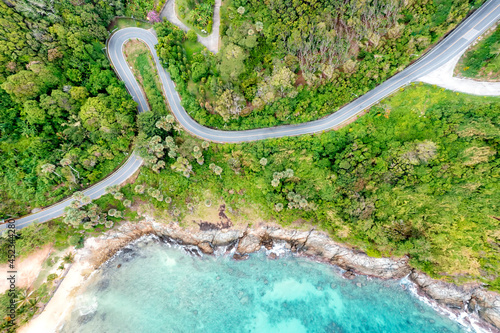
159	288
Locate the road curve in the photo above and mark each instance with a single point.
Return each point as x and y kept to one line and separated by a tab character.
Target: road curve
452	45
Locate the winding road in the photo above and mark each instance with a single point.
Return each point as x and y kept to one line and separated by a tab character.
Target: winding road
452	45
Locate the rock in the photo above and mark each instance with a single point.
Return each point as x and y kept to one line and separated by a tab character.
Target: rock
119	265
443	292
349	275
206	247
472	305
224	237
267	241
272	256
238	256
319	244
489	306
248	244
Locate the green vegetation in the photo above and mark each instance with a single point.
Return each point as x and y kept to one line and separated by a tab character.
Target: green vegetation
140	8
121	23
287	62
27	305
197	14
482	60
66	120
140	59
417	175
35	236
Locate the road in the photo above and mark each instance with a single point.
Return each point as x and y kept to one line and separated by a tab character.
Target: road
453	44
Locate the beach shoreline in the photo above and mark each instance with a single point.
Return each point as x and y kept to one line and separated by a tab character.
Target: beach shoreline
444	297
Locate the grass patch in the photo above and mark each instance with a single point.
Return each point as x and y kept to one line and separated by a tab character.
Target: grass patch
482	61
140	59
192	48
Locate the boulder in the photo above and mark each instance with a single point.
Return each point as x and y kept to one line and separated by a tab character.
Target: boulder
489	306
248	244
206	247
445	293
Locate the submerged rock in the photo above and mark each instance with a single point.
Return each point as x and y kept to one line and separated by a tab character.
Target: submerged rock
238	256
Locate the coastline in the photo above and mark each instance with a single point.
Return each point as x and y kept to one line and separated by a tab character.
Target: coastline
469	304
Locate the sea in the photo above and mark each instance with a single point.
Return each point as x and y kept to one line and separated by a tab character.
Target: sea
154	285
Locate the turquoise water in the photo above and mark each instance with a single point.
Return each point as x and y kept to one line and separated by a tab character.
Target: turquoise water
160	288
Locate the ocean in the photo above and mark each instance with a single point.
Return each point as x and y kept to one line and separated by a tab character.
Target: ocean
153	286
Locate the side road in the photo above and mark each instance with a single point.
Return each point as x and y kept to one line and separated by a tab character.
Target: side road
211	42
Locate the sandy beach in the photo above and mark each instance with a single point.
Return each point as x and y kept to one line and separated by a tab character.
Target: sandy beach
87	259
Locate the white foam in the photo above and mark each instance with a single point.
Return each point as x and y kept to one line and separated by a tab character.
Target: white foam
469	321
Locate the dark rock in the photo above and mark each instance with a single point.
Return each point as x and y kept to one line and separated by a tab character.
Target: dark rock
273	256
119	265
84	319
267	241
238	256
349	275
472	305
102	285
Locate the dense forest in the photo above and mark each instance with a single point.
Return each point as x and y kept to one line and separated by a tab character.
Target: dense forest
417	175
65	119
284	61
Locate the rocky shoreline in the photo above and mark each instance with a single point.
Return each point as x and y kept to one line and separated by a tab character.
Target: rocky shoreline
471	298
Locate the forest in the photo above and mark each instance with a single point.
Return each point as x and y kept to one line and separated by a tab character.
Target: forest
286	61
66	120
418	176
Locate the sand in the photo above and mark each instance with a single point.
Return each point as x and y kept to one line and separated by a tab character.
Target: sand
86	261
27	268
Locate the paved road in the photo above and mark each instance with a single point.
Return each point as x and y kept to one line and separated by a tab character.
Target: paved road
452	45
211	42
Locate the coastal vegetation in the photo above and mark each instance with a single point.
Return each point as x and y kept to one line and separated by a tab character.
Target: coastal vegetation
482	61
283	62
415	176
